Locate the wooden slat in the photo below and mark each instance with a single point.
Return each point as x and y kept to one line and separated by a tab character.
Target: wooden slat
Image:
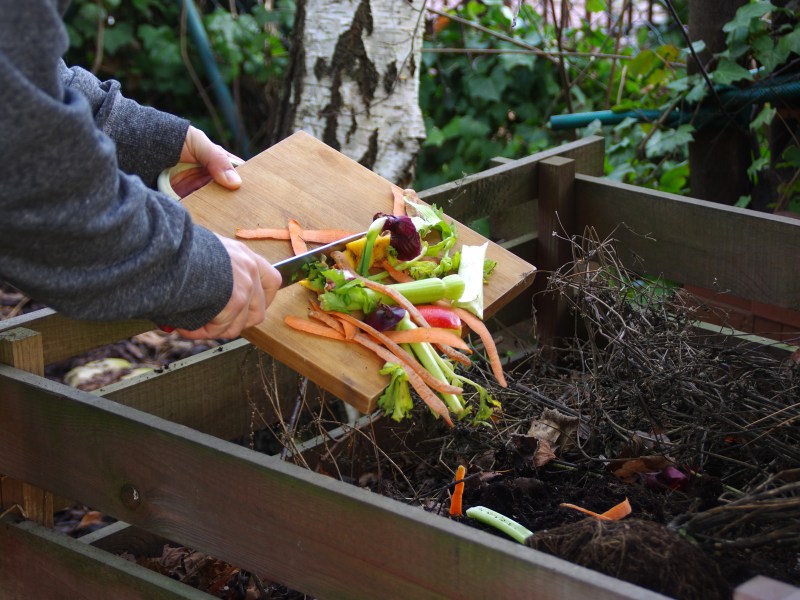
36	562
213	392
495	190
64	337
748	254
22	348
302	529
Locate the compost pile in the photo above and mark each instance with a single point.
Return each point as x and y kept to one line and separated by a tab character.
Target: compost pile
700	432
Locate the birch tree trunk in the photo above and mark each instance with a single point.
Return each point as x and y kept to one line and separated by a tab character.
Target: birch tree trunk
353	81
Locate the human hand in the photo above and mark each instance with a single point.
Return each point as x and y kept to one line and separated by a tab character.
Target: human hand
215	164
255	283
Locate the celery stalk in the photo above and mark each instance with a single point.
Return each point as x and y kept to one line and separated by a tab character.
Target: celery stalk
349	297
372	234
428	358
471	270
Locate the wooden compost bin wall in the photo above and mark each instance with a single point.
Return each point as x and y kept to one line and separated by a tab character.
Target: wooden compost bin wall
163	466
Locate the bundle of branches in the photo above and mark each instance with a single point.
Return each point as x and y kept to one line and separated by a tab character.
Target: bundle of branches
769	514
648	382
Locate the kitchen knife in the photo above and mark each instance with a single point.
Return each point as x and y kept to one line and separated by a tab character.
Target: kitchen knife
291	269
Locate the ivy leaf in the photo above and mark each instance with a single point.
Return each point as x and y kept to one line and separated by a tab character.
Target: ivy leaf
642	63
434	137
117	37
743	201
746	13
762	162
595	5
674	179
765	52
763	118
483	88
791	157
669	140
788	44
728	71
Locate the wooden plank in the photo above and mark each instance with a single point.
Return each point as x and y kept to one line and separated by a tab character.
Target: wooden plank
63	337
214	392
302	178
556	222
22	348
307	531
37	562
494	190
748	254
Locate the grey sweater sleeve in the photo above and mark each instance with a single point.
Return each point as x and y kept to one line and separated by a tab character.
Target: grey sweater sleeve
76	230
147	140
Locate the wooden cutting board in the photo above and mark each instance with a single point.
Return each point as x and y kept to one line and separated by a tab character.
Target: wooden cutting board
304	179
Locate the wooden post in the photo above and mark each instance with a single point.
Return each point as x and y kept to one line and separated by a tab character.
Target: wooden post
22	348
718	157
556	216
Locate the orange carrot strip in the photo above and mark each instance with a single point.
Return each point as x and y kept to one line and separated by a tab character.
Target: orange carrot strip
458	492
398	276
479	327
405	358
432	335
454	354
296	237
262	233
432	400
314	236
327	319
350	330
341	261
312	327
623	509
399	204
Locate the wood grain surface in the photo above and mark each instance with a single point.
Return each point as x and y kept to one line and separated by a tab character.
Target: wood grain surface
304	179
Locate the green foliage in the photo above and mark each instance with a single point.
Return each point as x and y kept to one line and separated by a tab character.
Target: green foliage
493	101
478	106
144	45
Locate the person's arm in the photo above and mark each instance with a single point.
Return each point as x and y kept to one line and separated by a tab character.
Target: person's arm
147	140
78	233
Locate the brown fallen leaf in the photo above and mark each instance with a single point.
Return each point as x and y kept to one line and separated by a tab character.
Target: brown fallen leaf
543	454
555	427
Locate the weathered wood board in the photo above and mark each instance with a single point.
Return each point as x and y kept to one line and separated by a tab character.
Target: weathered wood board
304	179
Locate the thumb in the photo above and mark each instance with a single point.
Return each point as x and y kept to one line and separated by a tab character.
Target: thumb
221	170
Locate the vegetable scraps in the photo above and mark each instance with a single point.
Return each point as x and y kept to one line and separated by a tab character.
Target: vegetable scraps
413	325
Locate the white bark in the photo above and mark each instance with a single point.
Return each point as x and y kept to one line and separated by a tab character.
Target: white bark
358	90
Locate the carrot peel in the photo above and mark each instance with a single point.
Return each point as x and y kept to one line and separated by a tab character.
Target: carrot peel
615	513
458	492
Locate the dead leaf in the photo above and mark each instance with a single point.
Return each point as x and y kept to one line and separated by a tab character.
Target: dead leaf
543	454
556	428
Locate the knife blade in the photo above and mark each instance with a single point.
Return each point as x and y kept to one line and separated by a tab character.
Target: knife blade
291	268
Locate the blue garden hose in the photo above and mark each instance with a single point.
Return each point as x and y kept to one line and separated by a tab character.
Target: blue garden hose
221	91
733	98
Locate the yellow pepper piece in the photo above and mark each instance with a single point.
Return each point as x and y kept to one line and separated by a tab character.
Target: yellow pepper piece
379	249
